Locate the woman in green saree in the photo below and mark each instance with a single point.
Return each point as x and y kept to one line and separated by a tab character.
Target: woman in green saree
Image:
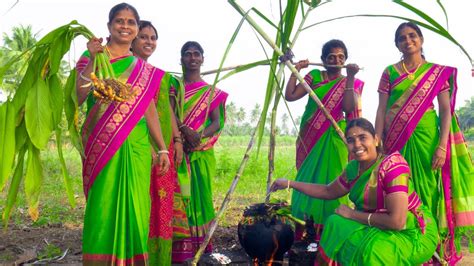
203	120
433	146
389	225
320	153
117	155
168	219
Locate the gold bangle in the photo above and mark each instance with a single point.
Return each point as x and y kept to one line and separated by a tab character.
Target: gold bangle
441	148
368	219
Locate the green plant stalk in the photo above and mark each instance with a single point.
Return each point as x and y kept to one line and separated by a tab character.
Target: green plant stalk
293	70
227	199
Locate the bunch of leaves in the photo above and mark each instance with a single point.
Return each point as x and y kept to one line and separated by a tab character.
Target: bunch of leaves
29	119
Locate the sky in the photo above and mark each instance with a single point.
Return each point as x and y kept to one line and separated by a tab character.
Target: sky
212	22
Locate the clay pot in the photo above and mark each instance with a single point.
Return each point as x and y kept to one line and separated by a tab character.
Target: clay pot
265	235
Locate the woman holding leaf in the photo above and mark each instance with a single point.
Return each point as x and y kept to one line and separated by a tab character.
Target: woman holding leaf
204	116
434	147
320	152
166	223
117	155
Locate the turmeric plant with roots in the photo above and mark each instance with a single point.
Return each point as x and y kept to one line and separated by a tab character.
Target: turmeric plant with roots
33	114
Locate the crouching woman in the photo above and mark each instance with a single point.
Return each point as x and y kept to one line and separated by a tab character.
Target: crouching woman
389	224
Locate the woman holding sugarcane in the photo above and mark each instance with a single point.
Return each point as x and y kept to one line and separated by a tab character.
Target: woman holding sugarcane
320	152
117	156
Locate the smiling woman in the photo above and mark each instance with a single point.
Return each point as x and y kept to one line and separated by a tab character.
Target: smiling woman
388	213
117	154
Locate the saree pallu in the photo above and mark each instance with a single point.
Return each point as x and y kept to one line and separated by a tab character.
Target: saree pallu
348	242
321	153
116	169
412	127
199	101
168	215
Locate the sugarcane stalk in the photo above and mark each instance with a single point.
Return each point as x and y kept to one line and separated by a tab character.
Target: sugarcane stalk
229	68
292	68
227	198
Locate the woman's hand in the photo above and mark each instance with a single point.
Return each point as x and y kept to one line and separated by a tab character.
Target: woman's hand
352	69
302	64
94	45
439	158
280	183
192	138
163	163
345	211
178	153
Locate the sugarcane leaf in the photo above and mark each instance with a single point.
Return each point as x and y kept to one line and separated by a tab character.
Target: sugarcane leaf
33	181
244	67
71	110
38	117
66	177
14	186
444	12
57	99
440	31
7	138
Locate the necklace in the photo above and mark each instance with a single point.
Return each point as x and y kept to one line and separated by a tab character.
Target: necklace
411	75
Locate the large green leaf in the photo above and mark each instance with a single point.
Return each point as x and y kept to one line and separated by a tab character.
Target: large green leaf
57	99
21	136
33	181
66	177
14	185
7	138
38	114
71	110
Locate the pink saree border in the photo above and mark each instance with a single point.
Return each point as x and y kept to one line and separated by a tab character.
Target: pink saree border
318	123
197	115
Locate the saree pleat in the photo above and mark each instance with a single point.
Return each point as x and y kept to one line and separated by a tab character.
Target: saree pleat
116	201
199	101
324	163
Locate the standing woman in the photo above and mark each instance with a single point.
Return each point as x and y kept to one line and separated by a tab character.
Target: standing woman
164	190
433	146
204	116
117	156
320	153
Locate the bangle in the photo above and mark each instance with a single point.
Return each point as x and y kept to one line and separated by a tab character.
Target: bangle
348	89
178	140
288	186
368	219
441	148
163	152
182	125
84	77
